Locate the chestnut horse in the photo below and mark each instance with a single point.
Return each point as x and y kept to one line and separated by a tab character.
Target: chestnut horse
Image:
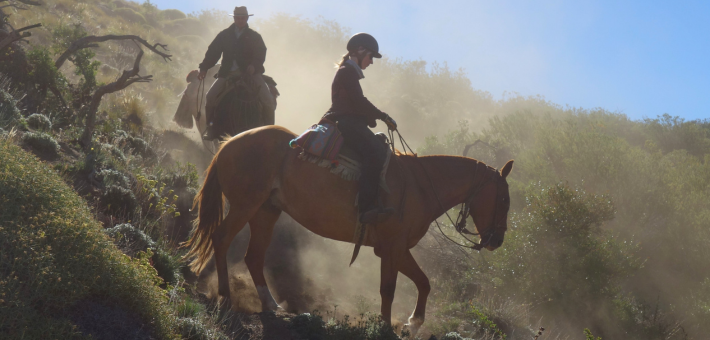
261	176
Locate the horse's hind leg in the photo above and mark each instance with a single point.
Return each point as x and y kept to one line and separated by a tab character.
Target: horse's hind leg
221	239
411	269
262	228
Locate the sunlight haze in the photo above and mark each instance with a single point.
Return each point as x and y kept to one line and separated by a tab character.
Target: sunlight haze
640	58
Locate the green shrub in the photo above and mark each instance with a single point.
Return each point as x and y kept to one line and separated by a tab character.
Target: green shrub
44	74
189	308
308	326
589	336
172	14
54	258
42	145
130	239
167	266
114	151
119	201
577	272
112	177
130	15
133	241
39	122
369	327
193	329
453	336
140	146
9	113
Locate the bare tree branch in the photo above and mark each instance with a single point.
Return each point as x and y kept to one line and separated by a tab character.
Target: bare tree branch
127	78
16	35
91	41
465	150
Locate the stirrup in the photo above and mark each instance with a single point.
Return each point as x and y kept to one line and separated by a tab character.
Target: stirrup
376	215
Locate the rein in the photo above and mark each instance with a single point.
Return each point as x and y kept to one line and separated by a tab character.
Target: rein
200	99
464	211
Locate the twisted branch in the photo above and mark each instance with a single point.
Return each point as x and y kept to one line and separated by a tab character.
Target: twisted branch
15	35
92	40
127	78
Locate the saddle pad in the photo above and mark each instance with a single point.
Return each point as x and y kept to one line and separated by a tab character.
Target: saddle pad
348	168
321	140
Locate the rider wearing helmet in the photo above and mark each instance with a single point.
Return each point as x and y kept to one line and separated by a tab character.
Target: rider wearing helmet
353	113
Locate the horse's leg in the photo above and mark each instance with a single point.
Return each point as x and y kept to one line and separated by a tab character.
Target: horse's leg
411	269
221	239
391	256
262	227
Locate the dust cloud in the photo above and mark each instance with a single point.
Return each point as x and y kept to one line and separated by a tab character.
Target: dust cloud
304	271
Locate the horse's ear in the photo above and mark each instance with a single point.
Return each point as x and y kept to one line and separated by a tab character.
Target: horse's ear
506	169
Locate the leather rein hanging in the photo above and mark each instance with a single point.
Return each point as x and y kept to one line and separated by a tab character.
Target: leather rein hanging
464	211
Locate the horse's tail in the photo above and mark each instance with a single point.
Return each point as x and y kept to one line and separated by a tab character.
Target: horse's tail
210	214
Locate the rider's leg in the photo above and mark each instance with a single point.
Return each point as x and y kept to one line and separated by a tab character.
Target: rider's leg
359	137
267	100
211	102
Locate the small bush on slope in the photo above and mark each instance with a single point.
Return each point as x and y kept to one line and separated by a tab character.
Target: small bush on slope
39	122
42	144
54	258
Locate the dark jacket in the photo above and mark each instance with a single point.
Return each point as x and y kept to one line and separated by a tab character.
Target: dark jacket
348	98
249	49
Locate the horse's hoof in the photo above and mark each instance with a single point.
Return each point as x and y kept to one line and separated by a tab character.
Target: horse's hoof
413	326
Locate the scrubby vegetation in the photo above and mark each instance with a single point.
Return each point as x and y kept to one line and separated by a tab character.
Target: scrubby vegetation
608	227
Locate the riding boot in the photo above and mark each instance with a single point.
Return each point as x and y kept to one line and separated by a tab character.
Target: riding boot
210	130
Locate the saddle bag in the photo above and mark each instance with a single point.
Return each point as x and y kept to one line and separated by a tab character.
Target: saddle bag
321	140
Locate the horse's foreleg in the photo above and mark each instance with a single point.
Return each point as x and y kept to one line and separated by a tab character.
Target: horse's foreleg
221	239
262	227
392	256
411	269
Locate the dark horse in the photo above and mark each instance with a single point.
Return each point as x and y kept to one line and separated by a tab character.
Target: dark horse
240	109
240	116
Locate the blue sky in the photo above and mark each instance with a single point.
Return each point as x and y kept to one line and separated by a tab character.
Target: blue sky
642	58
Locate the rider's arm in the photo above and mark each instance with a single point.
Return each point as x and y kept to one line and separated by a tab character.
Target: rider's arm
351	84
214	52
259	52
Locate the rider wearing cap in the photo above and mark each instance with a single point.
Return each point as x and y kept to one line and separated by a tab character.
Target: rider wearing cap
353	113
243	53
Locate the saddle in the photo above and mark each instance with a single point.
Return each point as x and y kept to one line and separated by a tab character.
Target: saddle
323	145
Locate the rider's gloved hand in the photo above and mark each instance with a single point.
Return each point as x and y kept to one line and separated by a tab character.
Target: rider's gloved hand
391	124
202	75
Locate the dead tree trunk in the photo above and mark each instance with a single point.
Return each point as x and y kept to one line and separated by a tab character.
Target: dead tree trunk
127	78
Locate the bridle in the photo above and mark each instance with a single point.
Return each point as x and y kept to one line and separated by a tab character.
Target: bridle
465	210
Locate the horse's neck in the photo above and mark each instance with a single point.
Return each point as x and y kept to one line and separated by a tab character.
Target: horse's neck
449	180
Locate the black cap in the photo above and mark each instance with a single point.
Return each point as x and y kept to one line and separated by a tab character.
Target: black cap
365	40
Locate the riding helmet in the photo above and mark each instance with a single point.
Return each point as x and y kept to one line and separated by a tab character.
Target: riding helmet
365	40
